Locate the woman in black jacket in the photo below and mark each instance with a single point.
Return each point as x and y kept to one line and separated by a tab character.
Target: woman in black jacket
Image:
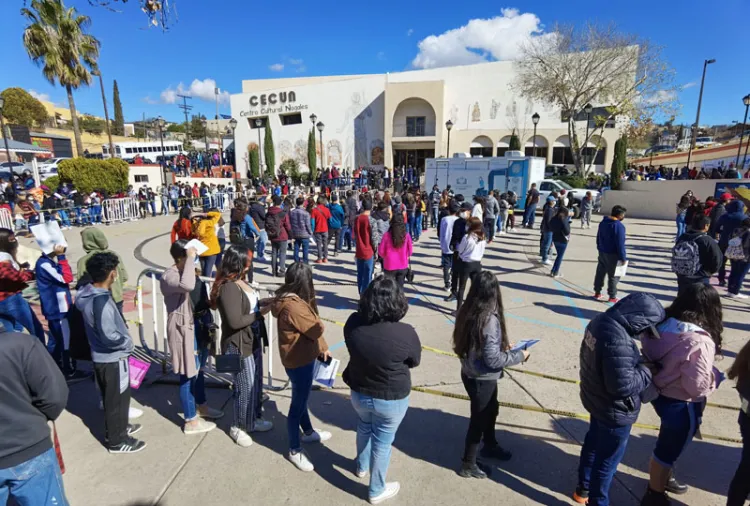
739	489
559	225
382	350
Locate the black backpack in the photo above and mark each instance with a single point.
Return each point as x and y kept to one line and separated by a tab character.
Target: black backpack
273	225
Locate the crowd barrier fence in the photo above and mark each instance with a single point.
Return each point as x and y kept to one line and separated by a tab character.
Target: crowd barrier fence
6	219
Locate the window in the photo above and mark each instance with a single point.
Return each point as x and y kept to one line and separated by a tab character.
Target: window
128	151
105	150
140	149
263	122
541	152
118	150
546	187
141	178
415	126
502	151
483	152
291	119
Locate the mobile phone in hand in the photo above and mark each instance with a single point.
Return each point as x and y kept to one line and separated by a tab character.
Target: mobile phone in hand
326	361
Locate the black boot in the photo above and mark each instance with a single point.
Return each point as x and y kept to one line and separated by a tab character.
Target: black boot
472	470
655	498
496	452
675	487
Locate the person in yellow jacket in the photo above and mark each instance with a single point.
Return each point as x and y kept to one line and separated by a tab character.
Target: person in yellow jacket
204	229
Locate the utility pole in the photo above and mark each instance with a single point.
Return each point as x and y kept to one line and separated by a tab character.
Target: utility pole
106	114
185	108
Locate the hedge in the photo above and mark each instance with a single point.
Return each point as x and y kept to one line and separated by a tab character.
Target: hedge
52	182
88	174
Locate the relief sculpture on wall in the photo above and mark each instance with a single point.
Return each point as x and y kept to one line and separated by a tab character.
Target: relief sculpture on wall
376	152
476	115
333	153
494	108
286	151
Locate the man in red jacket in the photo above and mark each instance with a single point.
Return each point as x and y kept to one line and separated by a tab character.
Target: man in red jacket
321	215
279	230
365	252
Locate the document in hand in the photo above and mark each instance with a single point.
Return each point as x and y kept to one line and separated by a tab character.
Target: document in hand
200	248
524	344
325	374
48	235
621	269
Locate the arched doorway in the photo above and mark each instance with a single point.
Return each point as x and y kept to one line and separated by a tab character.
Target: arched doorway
481	146
502	146
542	146
413	133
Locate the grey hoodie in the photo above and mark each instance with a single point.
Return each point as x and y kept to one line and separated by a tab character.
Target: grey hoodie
106	330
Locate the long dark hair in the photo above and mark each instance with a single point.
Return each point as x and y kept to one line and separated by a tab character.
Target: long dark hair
383	301
185	213
474	226
234	263
398	230
299	281
8	243
740	369
700	305
483	300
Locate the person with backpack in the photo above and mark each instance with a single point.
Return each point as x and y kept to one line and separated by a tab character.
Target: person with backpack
491	210
434	206
738	253
299	220
321	215
279	230
457	234
725	227
258	214
696	256
335	223
614	383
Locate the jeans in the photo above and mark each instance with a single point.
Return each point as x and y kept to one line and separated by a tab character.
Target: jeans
364	273
278	257
175	206
299	417
739	489
434	212
446	262
529	215
416	232
722	274
304	245
606	267
560	247
411	223
603	449
681	225
207	265
737	275
164	205
378	422
586	217
36	481
193	390
484	410
321	243
152	204
16	314
489	229
502	217
544	245
64	217
345	238
680	421
334	236
261	242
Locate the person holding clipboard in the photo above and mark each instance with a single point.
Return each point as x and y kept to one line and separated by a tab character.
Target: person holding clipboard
480	339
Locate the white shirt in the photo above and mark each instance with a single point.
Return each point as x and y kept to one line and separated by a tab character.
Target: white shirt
471	250
477	212
446	233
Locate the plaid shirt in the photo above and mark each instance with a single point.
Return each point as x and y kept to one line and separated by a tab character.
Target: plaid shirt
13	281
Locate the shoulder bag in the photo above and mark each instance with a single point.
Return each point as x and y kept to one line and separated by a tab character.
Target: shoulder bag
229	362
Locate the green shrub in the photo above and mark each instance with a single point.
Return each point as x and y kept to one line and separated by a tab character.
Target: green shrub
52	182
514	144
574	181
89	174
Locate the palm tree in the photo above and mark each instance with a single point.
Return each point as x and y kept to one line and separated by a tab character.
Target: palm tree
56	40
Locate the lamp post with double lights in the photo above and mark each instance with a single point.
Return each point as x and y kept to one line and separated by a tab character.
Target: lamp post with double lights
233	126
746	101
449	127
694	130
535	120
2	129
588	109
320	126
258	125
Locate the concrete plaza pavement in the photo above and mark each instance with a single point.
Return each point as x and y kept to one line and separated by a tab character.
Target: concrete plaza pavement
210	469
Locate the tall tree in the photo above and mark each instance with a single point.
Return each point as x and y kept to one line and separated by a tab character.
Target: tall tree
514	144
268	153
623	76
254	160
619	162
118	128
56	39
312	155
22	109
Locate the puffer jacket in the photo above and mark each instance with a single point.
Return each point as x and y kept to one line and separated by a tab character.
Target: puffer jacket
488	363
686	354
380	224
613	376
729	222
299	220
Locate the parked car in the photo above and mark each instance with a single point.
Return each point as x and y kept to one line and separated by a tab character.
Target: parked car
574	195
16	167
556	170
659	148
705	142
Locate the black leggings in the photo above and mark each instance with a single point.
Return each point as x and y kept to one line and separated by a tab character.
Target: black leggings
468	270
740	486
484	410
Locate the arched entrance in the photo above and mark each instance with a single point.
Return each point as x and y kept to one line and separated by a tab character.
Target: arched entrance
481	146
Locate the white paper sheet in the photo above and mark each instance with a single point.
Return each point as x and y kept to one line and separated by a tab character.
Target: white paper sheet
621	270
48	235
200	248
525	344
326	374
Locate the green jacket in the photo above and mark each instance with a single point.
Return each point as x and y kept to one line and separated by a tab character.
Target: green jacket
94	241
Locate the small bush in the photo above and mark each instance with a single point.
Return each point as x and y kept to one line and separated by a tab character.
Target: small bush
574	181
52	182
88	174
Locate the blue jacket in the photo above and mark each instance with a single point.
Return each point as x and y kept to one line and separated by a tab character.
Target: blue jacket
248	228
52	280
730	221
610	238
337	215
613	376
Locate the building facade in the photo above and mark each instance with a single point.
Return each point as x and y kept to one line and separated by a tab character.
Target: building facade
399	119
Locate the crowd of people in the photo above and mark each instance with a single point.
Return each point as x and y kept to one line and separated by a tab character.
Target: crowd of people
662	173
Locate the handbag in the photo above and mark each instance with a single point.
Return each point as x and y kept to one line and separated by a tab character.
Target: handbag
409	274
229	362
735	251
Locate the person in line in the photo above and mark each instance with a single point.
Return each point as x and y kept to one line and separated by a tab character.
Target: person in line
301	343
34	393
258	214
532	201
395	249
512	203
382	351
15	311
238	305
739	488
111	345
560	227
725	227
94	241
681	216
301	227
188	356
335	223
740	265
365	251
480	339
610	242
549	211
682	359
445	232
419	210
380	222
321	215
614	383
183	227
478	210
351	210
696	256
434	204
719	210
458	233
278	230
204	230
587	207
491	210
470	251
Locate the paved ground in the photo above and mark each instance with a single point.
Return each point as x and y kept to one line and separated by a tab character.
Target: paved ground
209	469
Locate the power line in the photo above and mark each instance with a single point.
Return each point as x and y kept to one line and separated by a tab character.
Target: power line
185	108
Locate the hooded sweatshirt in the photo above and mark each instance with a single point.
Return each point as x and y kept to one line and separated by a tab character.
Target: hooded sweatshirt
94	241
685	353
709	253
105	329
300	331
610	238
729	222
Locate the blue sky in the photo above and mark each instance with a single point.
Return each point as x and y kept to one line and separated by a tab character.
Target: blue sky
226	41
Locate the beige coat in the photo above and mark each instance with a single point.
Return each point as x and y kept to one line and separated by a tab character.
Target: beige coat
176	288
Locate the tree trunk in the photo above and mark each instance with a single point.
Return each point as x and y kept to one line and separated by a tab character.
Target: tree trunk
74	118
575	149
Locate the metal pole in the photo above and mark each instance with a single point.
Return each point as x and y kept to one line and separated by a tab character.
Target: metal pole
234	143
163	160
534	139
694	131
742	133
586	142
260	156
448	169
5	137
322	152
744	158
106	115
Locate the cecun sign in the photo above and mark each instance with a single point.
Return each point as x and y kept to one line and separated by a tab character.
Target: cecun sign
273	103
273	98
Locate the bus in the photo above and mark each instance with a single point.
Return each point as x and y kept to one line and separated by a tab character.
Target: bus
149	150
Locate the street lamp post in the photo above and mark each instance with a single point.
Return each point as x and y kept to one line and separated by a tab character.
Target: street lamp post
160	124
204	122
258	125
588	109
106	114
746	101
320	127
448	126
694	130
535	120
233	126
2	129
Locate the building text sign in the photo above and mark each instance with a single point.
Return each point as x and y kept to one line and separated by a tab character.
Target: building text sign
273	103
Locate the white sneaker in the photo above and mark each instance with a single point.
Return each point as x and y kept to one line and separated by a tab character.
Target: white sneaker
240	437
360	474
133	412
198	426
503	232
317	436
262	425
736	296
300	461
548	262
391	490
558	276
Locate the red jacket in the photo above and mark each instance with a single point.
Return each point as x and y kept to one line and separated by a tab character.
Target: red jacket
13	281
182	229
363	237
320	214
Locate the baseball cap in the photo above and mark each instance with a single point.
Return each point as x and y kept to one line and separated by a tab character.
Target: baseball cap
726	196
550	198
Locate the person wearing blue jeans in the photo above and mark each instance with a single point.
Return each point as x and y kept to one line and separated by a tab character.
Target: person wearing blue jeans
603	450
304	245
345	238
559	226
364	273
544	246
16	314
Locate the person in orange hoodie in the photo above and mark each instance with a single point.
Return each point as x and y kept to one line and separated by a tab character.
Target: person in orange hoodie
320	216
183	227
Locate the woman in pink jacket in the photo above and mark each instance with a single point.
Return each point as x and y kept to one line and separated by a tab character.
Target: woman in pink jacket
682	362
395	249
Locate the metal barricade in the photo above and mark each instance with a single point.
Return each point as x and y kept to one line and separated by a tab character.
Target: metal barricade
120	210
6	219
158	349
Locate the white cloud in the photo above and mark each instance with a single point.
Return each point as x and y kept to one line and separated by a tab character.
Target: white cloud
44	97
301	68
147	99
689	85
296	61
409	32
203	90
479	40
661	97
276	67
